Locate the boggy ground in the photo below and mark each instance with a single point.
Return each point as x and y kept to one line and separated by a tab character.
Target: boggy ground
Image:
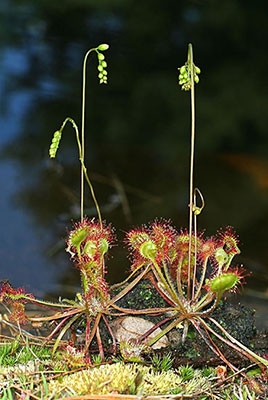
237	320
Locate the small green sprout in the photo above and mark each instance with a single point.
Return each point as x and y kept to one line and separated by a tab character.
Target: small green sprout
186	372
162	363
96	359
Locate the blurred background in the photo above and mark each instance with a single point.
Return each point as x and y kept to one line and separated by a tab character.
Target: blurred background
137	129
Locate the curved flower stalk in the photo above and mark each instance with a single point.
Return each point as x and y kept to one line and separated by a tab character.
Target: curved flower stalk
52	153
81	144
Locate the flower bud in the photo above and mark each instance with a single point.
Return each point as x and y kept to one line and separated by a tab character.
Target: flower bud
196	210
103	47
100	68
196	79
197	70
104	64
100	56
55	144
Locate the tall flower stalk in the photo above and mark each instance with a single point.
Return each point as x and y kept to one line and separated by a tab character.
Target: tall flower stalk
103	79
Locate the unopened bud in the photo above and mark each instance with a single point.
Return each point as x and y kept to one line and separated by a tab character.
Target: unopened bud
103	47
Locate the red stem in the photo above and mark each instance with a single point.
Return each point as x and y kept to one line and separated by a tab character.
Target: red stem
98	336
88	329
153	282
212	345
111	333
54	331
92	333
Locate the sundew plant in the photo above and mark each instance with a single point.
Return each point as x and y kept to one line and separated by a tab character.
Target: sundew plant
190	272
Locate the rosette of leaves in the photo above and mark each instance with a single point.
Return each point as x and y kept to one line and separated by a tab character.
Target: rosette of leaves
164	252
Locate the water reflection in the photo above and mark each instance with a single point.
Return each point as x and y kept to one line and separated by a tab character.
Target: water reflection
137	128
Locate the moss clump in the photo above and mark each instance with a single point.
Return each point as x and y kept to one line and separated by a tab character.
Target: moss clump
129	378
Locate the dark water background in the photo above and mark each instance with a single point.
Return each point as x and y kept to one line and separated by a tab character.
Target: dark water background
137	128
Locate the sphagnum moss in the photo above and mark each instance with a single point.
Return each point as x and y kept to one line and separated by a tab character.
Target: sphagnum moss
131	379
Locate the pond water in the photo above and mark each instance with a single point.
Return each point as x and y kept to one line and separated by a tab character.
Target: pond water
137	131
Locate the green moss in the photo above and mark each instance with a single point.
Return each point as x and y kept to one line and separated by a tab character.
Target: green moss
191	334
162	363
192	353
208	372
254	372
15	353
186	372
142	296
129	379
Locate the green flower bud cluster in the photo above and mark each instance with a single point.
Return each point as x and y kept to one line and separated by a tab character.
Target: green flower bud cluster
185	76
102	63
55	144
